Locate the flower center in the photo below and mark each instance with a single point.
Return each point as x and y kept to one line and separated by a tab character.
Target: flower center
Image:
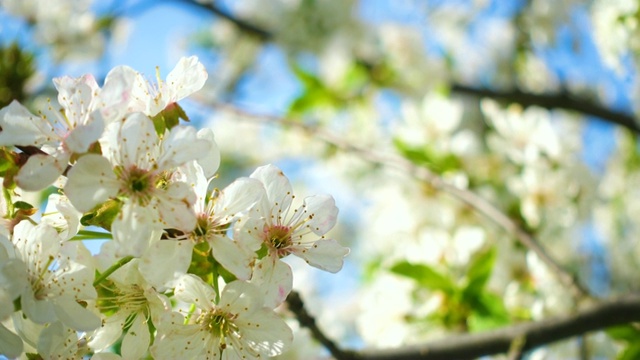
138	184
278	237
219	323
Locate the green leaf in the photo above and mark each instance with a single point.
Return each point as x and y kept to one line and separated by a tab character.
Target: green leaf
487	312
428	157
626	333
426	276
479	272
102	215
632	352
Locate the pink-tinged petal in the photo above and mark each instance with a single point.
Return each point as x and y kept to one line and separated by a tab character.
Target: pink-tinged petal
277	186
41	170
80	138
327	254
210	162
90	182
274	278
265	332
233	257
20	127
133	229
175	206
164	261
137	140
180	145
10	343
136	341
74	315
188	76
115	99
322	213
191	289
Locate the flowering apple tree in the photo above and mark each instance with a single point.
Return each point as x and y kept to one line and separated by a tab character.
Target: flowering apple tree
483	154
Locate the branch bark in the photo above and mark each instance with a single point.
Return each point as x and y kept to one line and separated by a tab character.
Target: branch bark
525	336
561	100
610	313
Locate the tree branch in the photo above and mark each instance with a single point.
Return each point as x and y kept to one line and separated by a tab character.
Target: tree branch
306	320
554	101
470	346
243	25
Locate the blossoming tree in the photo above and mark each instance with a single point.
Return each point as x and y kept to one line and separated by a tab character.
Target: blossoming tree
485	210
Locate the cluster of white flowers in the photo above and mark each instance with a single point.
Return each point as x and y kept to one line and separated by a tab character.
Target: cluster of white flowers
189	273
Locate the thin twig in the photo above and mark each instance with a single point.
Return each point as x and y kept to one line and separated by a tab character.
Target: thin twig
470	198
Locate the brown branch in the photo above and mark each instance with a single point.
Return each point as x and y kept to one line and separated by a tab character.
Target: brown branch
610	313
294	301
554	101
470	198
243	25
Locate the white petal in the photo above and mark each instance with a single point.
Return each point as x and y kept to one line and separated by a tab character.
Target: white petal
90	182
136	340
41	171
240	297
10	344
54	340
109	333
278	187
133	229
265	332
187	77
21	127
191	289
274	278
233	257
182	144
115	97
210	162
237	198
137	141
74	315
164	261
38	311
175	206
327	255
323	212
80	138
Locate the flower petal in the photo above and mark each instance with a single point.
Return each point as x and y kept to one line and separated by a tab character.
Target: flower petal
324	254
74	315
322	212
210	162
191	289
274	278
136	340
83	135
181	145
164	261
41	170
278	187
90	182
10	344
188	76
233	257
20	127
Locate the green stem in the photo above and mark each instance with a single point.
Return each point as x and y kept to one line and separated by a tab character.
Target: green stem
91	235
120	263
7	199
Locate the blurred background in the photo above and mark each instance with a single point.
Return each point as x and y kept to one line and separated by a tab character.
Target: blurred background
449	133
